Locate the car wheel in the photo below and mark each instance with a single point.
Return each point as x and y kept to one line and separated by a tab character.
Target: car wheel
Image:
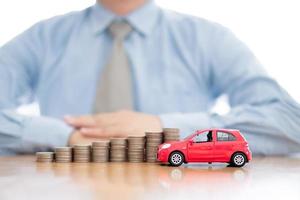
238	160
176	159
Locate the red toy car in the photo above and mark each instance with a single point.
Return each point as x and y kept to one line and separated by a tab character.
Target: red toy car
212	145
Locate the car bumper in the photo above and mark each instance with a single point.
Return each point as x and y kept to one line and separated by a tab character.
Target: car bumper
162	155
249	155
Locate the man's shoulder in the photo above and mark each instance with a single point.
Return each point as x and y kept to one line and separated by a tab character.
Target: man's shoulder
190	22
62	23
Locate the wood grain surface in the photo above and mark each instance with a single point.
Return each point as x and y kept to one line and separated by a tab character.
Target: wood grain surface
264	178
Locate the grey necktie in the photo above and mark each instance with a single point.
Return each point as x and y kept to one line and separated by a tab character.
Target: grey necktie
114	91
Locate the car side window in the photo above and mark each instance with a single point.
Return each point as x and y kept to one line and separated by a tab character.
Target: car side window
203	137
231	137
223	136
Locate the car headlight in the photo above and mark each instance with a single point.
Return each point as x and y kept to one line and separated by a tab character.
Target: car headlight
165	146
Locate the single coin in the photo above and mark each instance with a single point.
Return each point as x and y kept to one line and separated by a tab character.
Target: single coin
63	149
171	129
100	143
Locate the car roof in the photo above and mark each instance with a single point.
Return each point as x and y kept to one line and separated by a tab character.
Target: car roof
235	132
220	129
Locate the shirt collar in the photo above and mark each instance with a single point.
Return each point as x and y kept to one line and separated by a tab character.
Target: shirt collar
142	20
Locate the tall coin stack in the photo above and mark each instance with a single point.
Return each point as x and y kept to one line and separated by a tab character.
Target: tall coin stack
44	156
118	149
171	134
100	151
82	153
63	154
153	140
136	148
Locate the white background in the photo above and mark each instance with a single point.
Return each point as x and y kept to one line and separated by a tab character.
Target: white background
271	28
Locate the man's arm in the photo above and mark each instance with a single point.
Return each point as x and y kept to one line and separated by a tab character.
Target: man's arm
24	134
267	115
20	61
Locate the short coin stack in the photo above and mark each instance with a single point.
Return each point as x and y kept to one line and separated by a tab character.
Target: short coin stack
153	140
63	154
136	148
82	153
171	134
100	151
44	156
118	149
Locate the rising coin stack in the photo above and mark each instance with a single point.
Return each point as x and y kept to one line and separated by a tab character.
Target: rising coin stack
171	134
136	148
63	154
44	156
118	149
100	151
82	153
153	140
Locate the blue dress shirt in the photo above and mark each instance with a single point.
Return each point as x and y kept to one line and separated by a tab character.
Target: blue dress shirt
180	66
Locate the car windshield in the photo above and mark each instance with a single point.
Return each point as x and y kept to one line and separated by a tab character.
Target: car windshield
187	137
190	135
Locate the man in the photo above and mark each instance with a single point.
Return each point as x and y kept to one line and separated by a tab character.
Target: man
124	67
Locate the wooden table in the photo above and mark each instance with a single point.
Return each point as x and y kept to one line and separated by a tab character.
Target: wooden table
264	178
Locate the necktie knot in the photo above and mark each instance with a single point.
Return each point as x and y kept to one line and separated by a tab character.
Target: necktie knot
119	29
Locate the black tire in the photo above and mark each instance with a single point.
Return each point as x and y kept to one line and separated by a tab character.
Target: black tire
176	159
238	160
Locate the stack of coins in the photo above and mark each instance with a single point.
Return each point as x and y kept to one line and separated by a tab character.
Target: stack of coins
136	148
82	153
100	151
44	156
153	140
63	154
171	134
118	149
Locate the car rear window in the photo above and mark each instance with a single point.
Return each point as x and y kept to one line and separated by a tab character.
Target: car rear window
224	136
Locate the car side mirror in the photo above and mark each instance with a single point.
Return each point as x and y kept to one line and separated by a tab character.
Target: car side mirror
191	142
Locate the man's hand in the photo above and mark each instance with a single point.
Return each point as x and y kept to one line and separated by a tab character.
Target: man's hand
116	124
77	138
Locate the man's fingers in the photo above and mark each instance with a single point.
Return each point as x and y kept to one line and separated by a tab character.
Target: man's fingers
87	121
92	132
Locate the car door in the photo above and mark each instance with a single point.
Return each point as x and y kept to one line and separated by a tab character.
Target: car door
224	146
200	147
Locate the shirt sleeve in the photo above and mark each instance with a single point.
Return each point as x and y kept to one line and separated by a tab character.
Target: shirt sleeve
267	116
20	60
23	134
